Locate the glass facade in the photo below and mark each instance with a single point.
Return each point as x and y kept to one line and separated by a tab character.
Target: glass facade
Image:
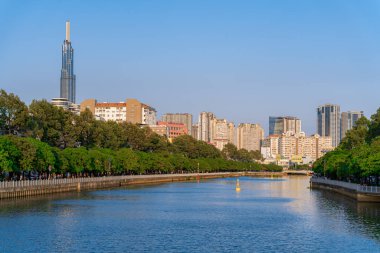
67	72
280	125
276	125
348	120
328	123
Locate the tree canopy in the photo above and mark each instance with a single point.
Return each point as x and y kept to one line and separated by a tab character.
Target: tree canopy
357	158
49	140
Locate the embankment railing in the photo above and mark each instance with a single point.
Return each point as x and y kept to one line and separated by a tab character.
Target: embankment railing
347	185
62	181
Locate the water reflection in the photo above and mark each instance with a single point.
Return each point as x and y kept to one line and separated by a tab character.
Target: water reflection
361	216
268	215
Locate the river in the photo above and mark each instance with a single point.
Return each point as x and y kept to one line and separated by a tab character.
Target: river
267	215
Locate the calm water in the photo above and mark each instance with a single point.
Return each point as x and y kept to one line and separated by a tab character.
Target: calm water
268	215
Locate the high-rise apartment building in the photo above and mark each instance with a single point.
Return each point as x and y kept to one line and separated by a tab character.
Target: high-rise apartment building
347	121
315	146
249	136
328	122
205	126
231	133
194	131
183	118
299	145
271	145
290	144
280	125
68	85
223	133
132	111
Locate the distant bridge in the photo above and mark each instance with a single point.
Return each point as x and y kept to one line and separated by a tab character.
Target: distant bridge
298	172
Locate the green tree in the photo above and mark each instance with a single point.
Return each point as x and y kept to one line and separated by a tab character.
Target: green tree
28	150
244	155
127	161
85	128
10	155
45	158
78	160
186	145
51	124
134	137
230	151
374	126
6	164
357	135
13	114
256	155
180	162
61	165
155	142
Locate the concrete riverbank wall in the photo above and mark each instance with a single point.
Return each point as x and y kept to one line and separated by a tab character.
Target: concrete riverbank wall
18	189
361	193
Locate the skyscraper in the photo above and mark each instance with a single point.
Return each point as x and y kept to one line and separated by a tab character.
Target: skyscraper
348	120
280	125
67	71
328	122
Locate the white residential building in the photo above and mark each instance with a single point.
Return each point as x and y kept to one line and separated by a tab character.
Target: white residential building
111	111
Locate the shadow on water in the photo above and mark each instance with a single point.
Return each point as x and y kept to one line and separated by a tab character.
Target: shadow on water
44	203
41	203
363	214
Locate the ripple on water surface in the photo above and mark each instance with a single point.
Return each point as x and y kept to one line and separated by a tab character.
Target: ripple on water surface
268	215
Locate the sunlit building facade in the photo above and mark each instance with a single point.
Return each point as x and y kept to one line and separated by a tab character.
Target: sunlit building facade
132	111
249	136
205	126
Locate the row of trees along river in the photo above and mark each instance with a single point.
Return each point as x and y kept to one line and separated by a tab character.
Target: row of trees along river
45	140
357	158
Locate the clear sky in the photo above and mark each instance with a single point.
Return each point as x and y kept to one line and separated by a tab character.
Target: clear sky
242	60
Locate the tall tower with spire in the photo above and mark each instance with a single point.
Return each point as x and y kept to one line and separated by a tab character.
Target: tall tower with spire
68	85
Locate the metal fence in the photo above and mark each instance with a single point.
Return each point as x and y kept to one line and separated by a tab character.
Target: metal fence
347	185
63	181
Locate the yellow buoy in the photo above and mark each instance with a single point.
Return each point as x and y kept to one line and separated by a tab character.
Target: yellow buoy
237	185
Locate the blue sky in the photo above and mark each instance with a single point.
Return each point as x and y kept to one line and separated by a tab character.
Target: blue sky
242	60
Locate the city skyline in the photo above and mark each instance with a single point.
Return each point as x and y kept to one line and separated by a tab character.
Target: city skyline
216	61
189	126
